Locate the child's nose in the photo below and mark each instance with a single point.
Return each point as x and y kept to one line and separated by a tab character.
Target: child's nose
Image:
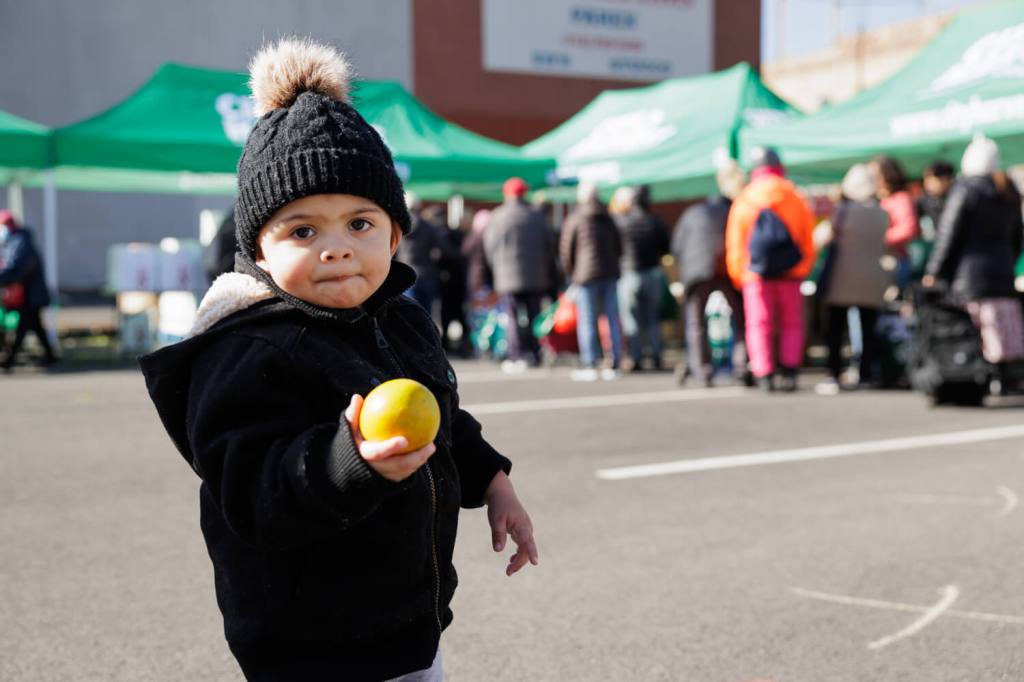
335	252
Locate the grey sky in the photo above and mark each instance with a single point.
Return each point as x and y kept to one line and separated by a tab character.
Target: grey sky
809	24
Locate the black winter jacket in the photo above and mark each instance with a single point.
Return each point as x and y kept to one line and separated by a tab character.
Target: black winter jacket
698	242
323	568
590	246
979	239
644	239
422	248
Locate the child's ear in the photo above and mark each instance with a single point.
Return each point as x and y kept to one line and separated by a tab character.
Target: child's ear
396	237
260	261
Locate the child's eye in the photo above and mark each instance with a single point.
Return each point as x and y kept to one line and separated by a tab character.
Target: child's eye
303	232
361	225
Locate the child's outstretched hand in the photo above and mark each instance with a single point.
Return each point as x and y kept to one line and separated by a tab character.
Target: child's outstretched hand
508	517
382	455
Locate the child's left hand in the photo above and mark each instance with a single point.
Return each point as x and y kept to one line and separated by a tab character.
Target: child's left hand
507	516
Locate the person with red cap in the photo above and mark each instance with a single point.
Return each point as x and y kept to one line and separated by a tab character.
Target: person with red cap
520	249
24	287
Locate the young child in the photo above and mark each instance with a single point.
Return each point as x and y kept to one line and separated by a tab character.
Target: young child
332	555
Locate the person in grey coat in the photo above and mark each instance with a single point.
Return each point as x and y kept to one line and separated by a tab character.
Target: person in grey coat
520	249
590	248
855	275
698	246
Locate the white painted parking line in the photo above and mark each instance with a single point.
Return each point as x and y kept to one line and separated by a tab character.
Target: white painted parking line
489	376
929	613
1007	500
688	466
616	400
1011	500
949	595
950	499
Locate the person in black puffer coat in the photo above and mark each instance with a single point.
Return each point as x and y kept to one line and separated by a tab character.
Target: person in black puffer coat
332	554
977	247
21	265
698	246
644	241
422	250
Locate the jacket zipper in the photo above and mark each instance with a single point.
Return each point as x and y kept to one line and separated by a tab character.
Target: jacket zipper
433	547
383	344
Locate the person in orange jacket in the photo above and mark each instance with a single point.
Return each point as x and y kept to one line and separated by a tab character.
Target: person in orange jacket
769	251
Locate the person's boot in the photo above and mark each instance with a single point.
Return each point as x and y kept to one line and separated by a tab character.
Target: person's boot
681	373
1004	380
746	379
787	384
766	383
48	361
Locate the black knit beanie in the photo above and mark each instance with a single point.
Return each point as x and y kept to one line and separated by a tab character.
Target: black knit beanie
309	140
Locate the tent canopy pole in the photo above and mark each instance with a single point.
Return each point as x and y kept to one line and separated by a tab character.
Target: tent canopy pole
50	234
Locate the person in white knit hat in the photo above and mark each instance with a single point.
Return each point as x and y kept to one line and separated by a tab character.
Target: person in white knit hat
855	276
977	247
981	158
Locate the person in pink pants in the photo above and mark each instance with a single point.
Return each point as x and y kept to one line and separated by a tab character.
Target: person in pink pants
773	307
772	303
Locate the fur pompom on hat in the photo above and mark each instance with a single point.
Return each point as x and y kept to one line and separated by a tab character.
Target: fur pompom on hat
309	140
285	70
980	158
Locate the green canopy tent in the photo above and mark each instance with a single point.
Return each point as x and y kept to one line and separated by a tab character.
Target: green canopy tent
23	145
437	158
666	135
183	132
25	154
969	79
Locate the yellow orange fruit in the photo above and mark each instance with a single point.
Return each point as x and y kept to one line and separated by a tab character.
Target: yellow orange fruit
401	407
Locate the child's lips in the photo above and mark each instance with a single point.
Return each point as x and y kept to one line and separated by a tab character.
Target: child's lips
339	278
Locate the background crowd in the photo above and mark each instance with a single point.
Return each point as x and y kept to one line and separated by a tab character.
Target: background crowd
752	273
741	261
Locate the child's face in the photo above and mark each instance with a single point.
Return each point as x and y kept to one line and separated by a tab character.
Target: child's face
332	250
935	185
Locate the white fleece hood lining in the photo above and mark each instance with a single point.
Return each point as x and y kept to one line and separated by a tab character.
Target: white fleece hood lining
231	292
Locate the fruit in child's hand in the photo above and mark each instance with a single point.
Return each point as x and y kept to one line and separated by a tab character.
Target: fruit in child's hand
401	407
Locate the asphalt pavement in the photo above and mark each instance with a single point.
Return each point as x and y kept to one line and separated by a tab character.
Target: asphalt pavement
782	538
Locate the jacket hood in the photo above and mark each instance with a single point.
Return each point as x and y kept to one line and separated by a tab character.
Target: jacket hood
235	300
982	184
590	207
769	190
229	294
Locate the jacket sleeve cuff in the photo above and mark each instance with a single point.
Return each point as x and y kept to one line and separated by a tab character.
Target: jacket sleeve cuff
478	462
349	484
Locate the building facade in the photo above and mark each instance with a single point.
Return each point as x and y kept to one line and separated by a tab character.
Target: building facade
509	69
853	64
